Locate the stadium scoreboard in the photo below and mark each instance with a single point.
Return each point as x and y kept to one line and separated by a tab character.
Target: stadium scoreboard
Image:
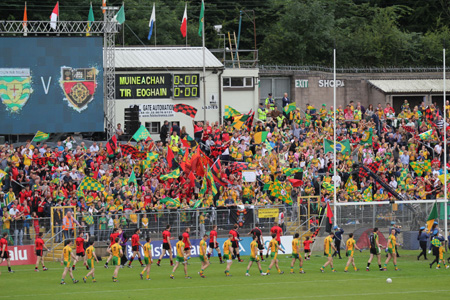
157	86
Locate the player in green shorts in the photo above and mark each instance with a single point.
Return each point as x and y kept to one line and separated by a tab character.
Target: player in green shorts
296	253
147	259
180	259
274	247
91	258
392	245
202	256
254	256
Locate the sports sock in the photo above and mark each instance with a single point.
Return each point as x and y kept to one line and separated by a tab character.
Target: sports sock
43	267
148	276
220	257
268	270
379	266
159	261
278	270
301	269
346	268
140	261
131	260
262	256
9	269
260	271
106	263
292	270
35	268
247	271
239	257
368	265
143	272
322	267
355	268
209	255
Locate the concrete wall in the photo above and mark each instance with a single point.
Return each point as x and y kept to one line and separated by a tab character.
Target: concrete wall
241	99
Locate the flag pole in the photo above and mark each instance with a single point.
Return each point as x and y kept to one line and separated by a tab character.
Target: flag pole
204	64
445	149
155	22
185	9
334	135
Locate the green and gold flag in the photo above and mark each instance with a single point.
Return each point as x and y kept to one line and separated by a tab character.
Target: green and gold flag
281	190
328	187
230	112
417	167
341	147
90	184
141	134
151	158
40	136
291	171
90	20
132	179
350	187
204	187
367	137
172	175
367	194
210	177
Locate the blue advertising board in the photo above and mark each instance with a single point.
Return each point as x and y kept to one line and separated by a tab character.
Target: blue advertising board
51	84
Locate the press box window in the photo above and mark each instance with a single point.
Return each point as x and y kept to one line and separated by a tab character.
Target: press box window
153	127
237	82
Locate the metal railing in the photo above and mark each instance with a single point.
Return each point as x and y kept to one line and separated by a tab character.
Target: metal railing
62	27
23	232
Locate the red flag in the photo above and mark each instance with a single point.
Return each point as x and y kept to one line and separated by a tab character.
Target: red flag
170	157
185	159
111	146
185	143
25	17
329	213
183	27
295	182
192	179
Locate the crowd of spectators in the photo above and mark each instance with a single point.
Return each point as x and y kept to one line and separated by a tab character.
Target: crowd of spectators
294	149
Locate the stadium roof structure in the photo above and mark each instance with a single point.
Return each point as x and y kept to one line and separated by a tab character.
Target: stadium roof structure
164	58
410	86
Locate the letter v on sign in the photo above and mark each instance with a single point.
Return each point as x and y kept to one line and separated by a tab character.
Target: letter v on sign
46	88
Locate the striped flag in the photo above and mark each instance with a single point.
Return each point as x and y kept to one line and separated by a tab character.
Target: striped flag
54	16
152	22
203	189
172	175
90	20
367	194
230	112
210	177
40	136
432	216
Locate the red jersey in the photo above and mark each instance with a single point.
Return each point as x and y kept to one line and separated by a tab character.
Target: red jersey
185	240
3	241
307	244
277	230
234	234
166	236
113	237
80	244
39	243
212	235
135	240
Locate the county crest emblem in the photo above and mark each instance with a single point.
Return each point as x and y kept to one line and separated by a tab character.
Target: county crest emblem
15	88
79	86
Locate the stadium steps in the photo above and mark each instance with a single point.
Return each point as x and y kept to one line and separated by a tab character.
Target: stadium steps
57	254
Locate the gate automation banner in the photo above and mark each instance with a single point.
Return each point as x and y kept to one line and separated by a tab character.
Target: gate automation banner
51	84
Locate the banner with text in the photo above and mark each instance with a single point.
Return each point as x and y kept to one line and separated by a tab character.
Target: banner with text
156	110
21	255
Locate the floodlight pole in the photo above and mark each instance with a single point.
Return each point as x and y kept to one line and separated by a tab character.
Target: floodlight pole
334	137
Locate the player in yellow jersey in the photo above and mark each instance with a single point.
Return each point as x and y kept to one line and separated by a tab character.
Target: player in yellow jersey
273	249
392	245
441	257
202	255
180	259
65	261
350	247
254	256
327	249
90	255
116	251
227	246
296	253
147	258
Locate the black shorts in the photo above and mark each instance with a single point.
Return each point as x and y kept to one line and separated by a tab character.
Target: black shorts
5	255
374	251
234	244
187	248
307	250
80	254
213	246
166	246
260	246
39	253
135	248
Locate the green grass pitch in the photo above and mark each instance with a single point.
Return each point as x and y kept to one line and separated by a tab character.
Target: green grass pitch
415	280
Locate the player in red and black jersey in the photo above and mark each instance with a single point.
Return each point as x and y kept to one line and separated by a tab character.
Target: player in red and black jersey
115	234
4	253
213	244
187	243
257	232
135	243
80	255
235	242
39	245
278	231
166	246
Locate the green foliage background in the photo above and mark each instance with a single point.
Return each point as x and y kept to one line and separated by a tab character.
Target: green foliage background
292	32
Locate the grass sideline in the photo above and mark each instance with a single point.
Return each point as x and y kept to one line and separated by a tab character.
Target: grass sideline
415	280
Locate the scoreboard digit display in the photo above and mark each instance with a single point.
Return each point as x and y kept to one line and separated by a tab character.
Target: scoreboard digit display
186	86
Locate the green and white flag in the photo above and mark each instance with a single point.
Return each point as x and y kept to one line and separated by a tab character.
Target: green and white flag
120	16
